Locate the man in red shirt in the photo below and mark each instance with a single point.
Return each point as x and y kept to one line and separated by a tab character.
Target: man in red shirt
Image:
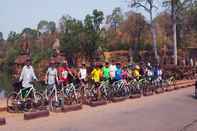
63	72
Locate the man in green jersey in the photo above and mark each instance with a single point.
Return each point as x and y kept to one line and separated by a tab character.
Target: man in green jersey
106	71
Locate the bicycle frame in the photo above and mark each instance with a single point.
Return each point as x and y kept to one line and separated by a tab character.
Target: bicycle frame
68	88
32	89
103	86
54	90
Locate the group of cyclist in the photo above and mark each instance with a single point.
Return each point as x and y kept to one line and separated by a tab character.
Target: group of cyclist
114	71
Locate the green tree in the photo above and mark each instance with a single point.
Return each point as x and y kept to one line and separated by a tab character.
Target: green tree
70	41
1	36
135	29
93	33
98	18
13	36
30	33
116	18
177	7
43	26
52	26
149	6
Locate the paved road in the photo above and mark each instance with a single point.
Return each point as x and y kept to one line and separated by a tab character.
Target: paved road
173	111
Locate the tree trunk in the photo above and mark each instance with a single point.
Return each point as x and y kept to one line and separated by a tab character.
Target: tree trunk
175	43
130	55
154	37
174	31
154	43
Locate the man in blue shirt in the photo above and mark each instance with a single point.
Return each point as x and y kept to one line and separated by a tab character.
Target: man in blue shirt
118	73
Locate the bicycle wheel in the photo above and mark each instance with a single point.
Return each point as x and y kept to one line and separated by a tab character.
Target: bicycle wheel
38	100
79	96
55	103
12	102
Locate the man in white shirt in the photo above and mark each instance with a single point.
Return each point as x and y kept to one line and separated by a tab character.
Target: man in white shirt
83	73
51	75
27	75
112	69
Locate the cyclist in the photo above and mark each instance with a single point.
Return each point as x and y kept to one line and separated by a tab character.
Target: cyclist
125	73
27	75
112	69
106	71
51	77
158	74
83	73
64	72
96	75
150	72
136	72
118	73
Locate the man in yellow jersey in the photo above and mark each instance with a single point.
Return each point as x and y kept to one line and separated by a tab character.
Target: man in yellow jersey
96	77
96	74
136	72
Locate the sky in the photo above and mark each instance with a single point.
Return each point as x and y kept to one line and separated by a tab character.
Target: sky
15	15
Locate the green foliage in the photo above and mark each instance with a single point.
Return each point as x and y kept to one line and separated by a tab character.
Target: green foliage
82	38
70	41
39	55
13	36
116	18
41	24
12	53
30	33
5	74
1	36
52	26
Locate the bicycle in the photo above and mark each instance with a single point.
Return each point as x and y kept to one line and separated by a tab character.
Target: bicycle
169	81
53	96
24	100
104	88
119	88
70	93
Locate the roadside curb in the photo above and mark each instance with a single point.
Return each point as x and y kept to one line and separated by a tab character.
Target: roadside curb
149	93
159	91
169	89
2	121
3	109
72	108
34	115
118	99
97	103
135	96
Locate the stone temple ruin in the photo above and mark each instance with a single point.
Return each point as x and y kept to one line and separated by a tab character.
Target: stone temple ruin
40	68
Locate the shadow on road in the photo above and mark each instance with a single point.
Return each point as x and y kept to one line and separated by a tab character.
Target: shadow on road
191	96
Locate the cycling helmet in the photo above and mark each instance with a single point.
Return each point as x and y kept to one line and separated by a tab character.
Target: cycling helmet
52	62
137	67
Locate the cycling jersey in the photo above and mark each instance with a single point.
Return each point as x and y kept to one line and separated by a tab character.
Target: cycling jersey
106	73
96	75
136	73
118	74
125	74
27	76
63	74
112	69
83	73
51	76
